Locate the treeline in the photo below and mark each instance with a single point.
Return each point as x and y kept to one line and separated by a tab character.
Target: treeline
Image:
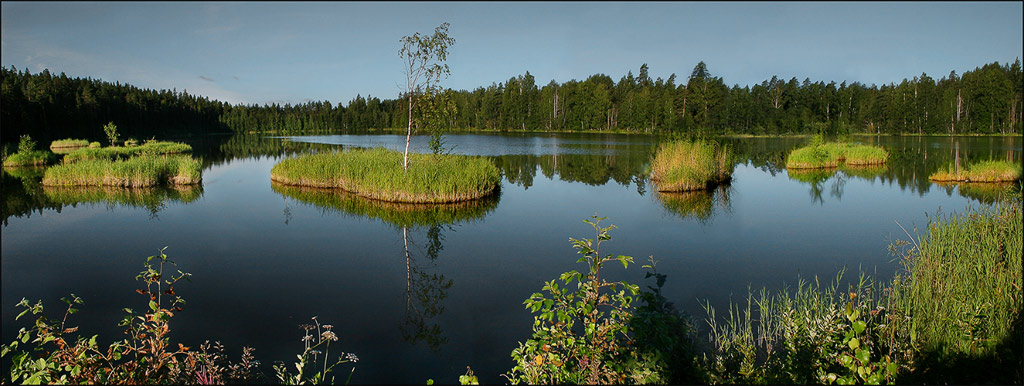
985	100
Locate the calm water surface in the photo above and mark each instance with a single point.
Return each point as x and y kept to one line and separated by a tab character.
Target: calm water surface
266	258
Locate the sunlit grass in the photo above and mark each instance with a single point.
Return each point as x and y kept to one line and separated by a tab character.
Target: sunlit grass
29	158
985	171
119	152
681	166
69	143
141	171
377	174
831	155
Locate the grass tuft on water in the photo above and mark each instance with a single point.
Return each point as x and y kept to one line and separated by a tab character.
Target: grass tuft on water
377	174
984	171
830	155
136	172
69	143
682	166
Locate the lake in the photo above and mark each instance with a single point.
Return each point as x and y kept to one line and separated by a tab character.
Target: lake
422	292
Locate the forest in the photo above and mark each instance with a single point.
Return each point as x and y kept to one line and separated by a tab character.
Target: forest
987	100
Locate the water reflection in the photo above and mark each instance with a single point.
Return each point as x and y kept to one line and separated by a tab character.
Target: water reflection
23	194
426	288
698	205
592	169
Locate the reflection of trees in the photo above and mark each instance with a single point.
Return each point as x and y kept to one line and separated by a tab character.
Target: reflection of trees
23	194
699	205
219	150
425	288
983	192
624	167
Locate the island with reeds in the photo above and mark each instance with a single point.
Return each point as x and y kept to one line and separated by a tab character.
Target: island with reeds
135	172
822	155
984	171
683	166
378	174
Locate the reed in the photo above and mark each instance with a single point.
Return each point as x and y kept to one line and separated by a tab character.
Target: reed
69	143
681	166
377	174
984	171
142	171
964	292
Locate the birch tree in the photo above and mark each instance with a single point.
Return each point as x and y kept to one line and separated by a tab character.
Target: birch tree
425	66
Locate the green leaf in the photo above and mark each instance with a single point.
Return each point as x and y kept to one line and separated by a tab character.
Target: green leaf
859	326
864	356
430	381
854	343
152	305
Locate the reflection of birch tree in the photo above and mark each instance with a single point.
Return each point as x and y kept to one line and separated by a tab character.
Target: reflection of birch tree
424	291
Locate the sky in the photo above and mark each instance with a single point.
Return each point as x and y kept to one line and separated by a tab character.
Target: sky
295	52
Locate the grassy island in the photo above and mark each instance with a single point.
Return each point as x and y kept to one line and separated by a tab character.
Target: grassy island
136	172
119	152
69	143
377	174
29	158
683	166
820	155
985	171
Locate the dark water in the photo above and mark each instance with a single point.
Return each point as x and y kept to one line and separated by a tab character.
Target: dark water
266	258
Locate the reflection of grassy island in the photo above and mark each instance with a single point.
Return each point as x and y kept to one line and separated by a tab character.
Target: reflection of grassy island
830	155
146	197
985	171
141	171
699	205
394	213
378	174
691	165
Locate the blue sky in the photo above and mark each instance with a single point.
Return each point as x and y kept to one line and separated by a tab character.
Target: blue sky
294	52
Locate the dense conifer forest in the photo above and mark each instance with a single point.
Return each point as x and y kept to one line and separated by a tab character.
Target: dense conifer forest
987	100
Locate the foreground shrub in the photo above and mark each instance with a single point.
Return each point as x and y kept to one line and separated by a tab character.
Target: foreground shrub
581	334
984	171
52	351
680	166
143	171
378	174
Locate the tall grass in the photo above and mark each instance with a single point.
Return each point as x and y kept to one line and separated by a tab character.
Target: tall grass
118	152
68	142
142	171
964	292
681	166
377	174
984	171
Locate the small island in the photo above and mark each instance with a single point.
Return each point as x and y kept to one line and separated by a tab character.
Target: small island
683	166
820	155
985	171
135	172
378	174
